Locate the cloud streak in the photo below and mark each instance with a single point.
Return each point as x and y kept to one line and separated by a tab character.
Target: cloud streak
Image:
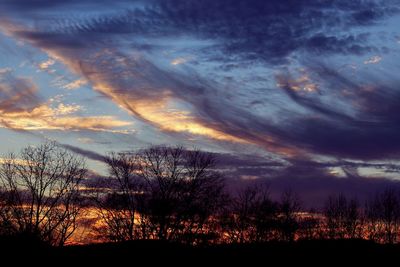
86	153
299	104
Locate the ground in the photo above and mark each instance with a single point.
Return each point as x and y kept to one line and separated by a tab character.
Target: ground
320	253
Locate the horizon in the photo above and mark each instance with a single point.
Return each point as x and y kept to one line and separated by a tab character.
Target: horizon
301	94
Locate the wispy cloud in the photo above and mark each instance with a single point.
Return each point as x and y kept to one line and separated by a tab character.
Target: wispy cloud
46	64
86	153
303	107
373	60
75	84
22	109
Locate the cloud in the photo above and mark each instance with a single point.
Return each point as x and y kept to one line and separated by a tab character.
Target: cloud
93	123
75	84
373	60
180	60
44	118
5	71
100	49
46	64
248	73
85	140
355	126
130	81
314	190
249	29
86	153
17	94
16	160
301	83
312	180
22	109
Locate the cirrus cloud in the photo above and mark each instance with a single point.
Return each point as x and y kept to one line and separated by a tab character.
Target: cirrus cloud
22	109
240	85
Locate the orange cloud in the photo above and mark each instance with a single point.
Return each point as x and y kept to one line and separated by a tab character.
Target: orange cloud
160	113
146	92
21	109
151	109
44	117
181	60
46	64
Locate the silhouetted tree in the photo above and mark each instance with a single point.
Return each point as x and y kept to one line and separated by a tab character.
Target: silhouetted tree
373	217
117	209
183	191
289	207
40	192
266	219
390	214
238	220
383	215
343	218
251	217
310	225
166	193
354	220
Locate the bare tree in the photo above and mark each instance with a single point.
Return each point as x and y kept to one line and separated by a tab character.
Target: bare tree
117	209
266	217
354	220
183	191
343	217
238	219
373	216
383	215
255	217
41	192
290	206
390	214
310	225
334	211
251	217
164	193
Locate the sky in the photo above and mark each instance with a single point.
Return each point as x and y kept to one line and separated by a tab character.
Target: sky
303	92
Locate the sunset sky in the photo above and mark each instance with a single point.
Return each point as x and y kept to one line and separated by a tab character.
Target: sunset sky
306	92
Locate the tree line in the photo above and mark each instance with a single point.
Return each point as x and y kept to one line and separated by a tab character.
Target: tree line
174	194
